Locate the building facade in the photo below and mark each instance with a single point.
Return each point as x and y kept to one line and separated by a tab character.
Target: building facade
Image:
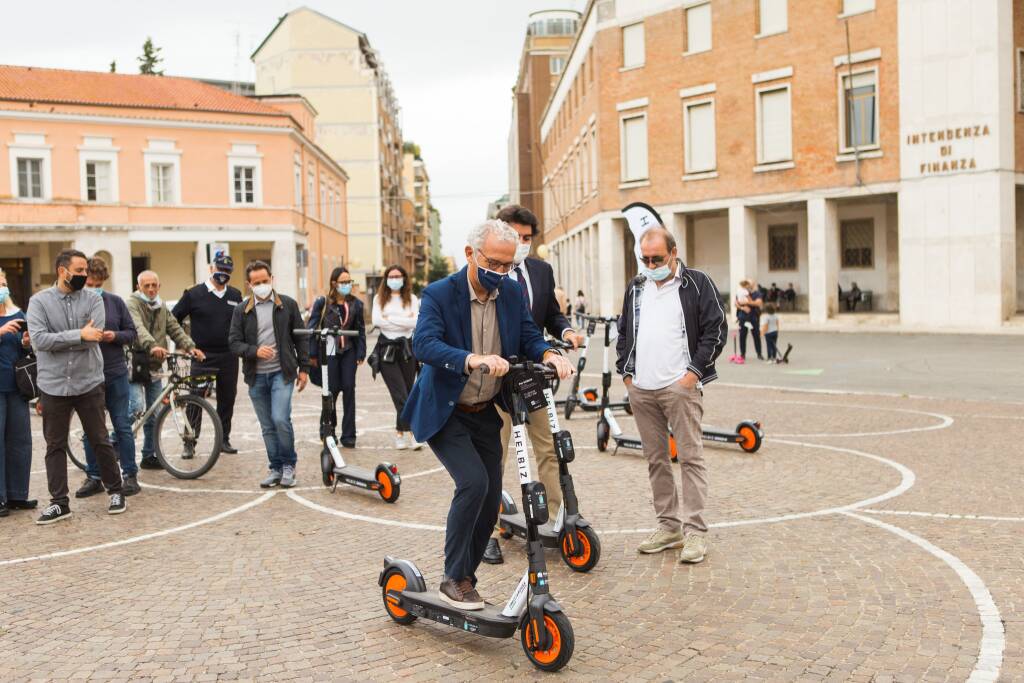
821	144
416	189
155	172
334	67
549	35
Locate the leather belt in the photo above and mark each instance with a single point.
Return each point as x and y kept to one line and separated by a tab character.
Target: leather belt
473	407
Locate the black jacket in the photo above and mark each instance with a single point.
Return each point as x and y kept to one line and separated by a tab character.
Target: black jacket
332	318
209	316
545	310
706	326
243	337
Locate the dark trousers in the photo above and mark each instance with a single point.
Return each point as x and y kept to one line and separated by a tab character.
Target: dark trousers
771	339
225	364
755	333
399	376
15	446
118	399
469	446
342	373
56	424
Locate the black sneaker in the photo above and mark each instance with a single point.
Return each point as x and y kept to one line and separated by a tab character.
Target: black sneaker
89	488
150	462
460	594
492	553
54	513
118	504
29	504
130	485
4	511
348	443
226	447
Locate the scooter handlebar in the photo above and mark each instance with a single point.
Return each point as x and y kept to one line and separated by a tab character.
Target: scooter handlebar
601	319
528	366
325	332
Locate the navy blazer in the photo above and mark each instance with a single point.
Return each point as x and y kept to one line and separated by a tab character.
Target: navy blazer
443	340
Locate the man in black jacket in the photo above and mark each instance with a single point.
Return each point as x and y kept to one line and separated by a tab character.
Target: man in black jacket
209	306
671	330
537	281
273	359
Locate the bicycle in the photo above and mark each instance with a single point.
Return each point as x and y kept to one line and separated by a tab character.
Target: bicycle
187	433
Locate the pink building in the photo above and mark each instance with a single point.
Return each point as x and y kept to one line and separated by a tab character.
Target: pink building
153	171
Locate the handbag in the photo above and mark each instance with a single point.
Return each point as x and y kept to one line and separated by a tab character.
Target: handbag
25	373
138	367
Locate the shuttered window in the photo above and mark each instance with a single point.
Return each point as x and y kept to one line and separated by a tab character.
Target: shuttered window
775	128
700	137
634	148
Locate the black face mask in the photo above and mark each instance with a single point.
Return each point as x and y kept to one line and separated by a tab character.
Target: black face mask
221	278
76	282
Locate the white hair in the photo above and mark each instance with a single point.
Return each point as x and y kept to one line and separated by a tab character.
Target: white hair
144	273
501	230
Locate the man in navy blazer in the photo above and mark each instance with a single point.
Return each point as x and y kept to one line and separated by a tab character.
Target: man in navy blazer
472	318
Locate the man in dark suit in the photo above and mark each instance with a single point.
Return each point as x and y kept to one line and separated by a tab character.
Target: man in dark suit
537	281
473	318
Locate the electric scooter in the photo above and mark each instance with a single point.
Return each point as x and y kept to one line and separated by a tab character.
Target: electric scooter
573	535
547	635
748	436
385	479
586	396
589	394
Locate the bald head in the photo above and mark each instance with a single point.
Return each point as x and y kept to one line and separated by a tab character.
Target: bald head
658	234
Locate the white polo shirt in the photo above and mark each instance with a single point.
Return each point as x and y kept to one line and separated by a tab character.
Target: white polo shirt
662	352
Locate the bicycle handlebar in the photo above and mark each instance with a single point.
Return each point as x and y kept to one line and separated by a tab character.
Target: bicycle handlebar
325	332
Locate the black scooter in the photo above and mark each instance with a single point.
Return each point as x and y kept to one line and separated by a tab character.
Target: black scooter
547	635
385	479
576	396
586	399
569	532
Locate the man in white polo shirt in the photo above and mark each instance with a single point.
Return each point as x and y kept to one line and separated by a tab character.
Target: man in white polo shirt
671	330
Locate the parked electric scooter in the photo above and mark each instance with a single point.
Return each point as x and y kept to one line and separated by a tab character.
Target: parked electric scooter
385	479
547	635
573	535
586	396
748	436
577	396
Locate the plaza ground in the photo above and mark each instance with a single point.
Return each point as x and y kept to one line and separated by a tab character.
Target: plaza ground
875	536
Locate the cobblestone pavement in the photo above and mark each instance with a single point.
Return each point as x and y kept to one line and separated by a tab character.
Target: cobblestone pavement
871	538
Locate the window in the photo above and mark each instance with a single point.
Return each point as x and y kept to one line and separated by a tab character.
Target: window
632	46
860	110
772	14
857	241
858	6
162	183
324	209
634	148
593	161
298	187
30	178
774	129
556	64
699	136
698	28
782	247
97	181
1020	80
245	184
311	193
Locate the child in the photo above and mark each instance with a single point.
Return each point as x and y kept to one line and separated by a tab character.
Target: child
743	297
770	331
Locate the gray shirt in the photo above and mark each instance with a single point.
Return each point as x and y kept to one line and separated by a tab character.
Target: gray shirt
266	337
66	366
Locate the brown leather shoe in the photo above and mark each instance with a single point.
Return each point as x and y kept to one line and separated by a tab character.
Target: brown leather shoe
460	594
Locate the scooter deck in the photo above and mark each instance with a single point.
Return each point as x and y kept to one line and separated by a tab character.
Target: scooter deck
488	621
720	436
516	525
357	476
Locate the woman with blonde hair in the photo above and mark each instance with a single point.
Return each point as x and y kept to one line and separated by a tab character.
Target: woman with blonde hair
395	309
15	429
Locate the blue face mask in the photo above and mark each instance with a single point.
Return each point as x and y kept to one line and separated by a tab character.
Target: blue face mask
4	293
96	290
395	283
657	274
489	279
344	289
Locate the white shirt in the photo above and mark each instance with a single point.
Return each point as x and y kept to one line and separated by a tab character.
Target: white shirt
401	320
662	353
219	293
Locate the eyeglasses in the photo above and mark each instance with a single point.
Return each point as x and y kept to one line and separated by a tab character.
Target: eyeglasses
497	266
653	260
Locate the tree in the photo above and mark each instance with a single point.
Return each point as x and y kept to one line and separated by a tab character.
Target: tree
113	66
150	59
438	268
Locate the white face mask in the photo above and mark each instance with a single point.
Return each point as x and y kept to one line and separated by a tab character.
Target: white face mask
522	251
262	291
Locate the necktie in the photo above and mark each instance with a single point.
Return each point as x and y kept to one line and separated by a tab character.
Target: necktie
522	286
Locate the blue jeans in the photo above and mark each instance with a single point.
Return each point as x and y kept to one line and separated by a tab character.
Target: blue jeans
142	397
272	400
117	392
15	446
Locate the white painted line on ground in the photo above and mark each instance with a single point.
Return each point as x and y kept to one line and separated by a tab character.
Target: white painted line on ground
944	421
943	515
362	518
144	537
423	473
176	489
993	637
994	417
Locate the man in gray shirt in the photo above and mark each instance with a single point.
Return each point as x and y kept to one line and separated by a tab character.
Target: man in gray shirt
65	325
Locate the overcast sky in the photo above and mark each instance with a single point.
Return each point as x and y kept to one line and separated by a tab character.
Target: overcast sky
452	63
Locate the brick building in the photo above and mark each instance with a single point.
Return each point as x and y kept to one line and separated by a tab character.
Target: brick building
822	144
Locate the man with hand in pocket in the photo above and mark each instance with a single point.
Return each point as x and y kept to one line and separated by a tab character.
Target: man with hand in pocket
671	330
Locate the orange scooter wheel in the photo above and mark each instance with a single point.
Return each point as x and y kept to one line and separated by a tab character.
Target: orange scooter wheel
562	641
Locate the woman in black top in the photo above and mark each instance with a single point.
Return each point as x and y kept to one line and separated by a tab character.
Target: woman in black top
338	308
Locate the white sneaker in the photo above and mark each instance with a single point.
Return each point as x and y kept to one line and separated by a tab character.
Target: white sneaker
416	445
400	442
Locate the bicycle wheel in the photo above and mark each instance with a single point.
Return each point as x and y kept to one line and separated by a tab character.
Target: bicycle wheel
188	436
76	442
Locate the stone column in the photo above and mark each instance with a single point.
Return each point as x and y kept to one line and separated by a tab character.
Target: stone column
119	246
822	259
742	245
286	273
610	284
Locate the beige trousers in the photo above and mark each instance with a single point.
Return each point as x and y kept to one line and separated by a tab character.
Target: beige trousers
682	409
543	448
